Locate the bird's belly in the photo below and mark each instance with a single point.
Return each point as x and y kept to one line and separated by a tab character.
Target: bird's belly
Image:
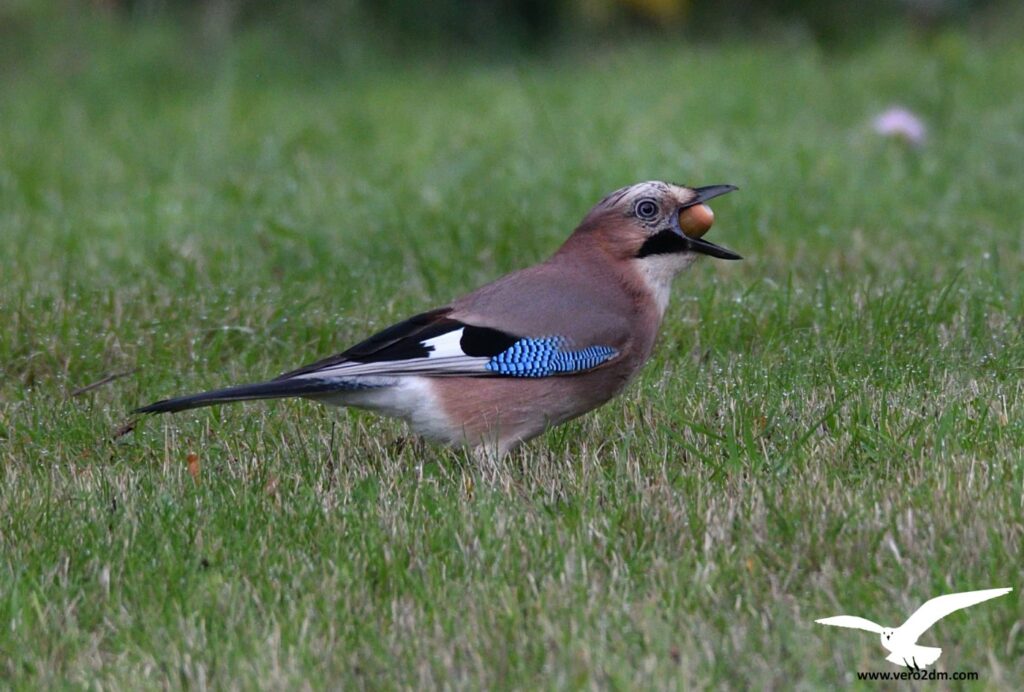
503	412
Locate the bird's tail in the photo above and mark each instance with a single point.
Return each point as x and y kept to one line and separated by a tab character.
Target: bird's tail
274	389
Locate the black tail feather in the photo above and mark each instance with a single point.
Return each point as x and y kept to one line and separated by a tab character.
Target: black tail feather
275	389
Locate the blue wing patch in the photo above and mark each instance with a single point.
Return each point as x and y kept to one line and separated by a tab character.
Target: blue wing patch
546	356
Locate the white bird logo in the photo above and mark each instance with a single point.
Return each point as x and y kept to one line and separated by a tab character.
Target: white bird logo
902	641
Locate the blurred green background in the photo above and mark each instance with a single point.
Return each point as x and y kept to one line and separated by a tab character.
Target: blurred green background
349	30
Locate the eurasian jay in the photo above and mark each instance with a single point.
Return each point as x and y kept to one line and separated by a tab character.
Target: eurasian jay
533	349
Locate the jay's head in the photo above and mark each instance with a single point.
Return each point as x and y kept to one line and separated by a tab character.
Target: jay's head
656	222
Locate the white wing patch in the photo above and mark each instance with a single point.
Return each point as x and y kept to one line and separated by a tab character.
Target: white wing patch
445	346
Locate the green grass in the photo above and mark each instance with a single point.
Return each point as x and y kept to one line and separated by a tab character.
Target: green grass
834	425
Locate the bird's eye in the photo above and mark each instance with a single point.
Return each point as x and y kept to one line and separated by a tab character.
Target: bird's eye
646	209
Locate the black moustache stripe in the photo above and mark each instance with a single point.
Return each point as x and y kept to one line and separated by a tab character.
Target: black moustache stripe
663	243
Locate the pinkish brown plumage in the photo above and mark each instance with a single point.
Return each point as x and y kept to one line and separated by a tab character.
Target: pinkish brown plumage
530	350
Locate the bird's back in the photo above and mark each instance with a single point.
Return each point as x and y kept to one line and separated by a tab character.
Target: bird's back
586	300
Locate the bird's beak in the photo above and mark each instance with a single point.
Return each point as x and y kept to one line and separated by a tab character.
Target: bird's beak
700	245
709	192
706	247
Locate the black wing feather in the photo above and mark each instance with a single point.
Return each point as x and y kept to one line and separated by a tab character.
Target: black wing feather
394	335
404	341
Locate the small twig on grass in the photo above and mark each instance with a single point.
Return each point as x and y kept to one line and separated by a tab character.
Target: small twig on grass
102	381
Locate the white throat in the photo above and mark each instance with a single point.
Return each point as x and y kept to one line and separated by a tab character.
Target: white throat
658	272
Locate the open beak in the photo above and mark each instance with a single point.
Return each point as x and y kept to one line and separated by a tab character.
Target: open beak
700	245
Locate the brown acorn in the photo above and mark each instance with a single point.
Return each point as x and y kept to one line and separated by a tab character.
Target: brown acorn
696	220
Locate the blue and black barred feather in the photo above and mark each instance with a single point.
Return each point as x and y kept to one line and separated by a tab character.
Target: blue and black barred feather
547	356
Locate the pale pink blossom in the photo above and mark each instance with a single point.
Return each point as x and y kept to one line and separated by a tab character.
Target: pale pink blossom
900	123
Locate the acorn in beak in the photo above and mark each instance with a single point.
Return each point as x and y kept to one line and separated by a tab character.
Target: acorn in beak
696	219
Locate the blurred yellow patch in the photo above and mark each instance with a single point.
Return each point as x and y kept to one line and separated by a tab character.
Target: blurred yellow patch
660	11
